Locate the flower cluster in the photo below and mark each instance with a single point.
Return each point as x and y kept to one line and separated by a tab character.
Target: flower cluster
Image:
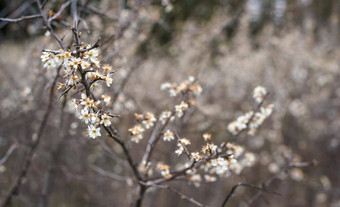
164	170
136	133
234	161
145	121
214	160
181	108
165	115
181	144
184	87
82	67
251	121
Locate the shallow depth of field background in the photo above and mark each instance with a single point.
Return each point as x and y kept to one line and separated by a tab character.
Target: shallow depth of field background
291	47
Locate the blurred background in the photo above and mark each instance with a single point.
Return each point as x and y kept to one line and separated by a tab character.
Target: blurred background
291	47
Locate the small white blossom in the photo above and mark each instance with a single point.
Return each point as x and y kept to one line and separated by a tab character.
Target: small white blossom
181	108
149	120
85	116
45	56
165	115
168	136
105	120
92	55
93	131
259	93
108	80
50	64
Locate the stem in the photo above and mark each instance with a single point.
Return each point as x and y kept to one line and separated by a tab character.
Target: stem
139	200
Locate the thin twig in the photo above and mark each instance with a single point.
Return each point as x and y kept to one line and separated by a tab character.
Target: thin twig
274	177
182	195
262	189
8	153
184	147
29	17
108	174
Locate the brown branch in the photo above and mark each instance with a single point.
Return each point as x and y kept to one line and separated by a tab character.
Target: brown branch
116	137
48	25
155	136
28	161
57	15
54	155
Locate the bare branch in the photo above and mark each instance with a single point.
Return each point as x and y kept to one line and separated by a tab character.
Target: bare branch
8	153
182	195
184	147
270	180
108	174
34	16
263	189
99	12
28	161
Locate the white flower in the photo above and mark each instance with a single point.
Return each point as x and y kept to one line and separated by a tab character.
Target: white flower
209	178
74	104
73	80
240	124
92	55
93	131
75	62
181	108
107	68
149	120
86	102
196	180
58	59
184	141
137	133
85	116
168	136
232	128
106	98
85	64
179	151
165	86
259	93
108	80
195	156
212	148
45	56
105	120
50	64
248	160
94	118
136	138
191	79
165	115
